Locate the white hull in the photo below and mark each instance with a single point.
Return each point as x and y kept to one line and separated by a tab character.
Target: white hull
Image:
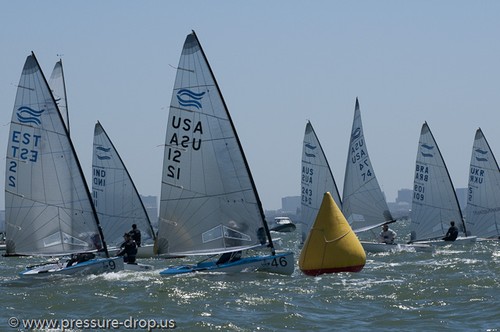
281	263
284	228
93	266
375	247
440	243
482	239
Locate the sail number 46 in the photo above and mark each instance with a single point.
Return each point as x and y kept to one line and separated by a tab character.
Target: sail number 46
279	262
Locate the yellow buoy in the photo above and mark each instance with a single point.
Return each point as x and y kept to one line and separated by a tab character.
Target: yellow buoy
331	245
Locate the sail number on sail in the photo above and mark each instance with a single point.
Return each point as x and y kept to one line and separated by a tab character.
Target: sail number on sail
476	178
23	147
182	138
421	175
359	156
306	181
476	175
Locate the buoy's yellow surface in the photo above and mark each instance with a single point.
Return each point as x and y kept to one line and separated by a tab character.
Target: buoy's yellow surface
331	245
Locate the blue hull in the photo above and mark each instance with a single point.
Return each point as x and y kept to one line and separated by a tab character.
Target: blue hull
282	263
93	266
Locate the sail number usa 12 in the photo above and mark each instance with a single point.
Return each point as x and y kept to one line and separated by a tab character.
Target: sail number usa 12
182	139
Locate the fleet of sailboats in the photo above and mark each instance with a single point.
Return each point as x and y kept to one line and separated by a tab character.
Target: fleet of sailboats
49	211
209	203
483	197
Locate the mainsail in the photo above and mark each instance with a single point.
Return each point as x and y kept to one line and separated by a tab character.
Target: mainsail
435	202
209	203
316	180
48	205
115	196
58	88
364	204
483	199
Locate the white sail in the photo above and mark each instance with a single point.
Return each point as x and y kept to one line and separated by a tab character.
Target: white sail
483	202
364	204
58	88
209	203
48	204
434	203
316	180
115	196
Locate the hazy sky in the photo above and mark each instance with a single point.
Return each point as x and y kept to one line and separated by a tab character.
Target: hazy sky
278	64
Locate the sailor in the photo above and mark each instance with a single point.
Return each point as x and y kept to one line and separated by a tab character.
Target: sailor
128	249
135	233
387	235
229	257
452	233
80	258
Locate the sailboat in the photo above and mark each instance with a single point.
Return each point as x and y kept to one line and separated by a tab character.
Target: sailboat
57	85
364	204
483	199
209	203
49	211
283	225
316	180
116	198
434	203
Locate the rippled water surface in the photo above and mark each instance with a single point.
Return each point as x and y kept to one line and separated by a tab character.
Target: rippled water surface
454	288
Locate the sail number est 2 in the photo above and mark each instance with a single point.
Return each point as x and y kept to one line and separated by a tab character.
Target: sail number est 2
24	148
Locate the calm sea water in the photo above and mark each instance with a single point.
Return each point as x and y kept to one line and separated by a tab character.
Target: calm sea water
455	288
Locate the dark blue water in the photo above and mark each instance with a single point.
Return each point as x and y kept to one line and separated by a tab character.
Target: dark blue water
455	288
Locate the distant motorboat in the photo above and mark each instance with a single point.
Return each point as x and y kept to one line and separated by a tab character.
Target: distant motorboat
283	225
